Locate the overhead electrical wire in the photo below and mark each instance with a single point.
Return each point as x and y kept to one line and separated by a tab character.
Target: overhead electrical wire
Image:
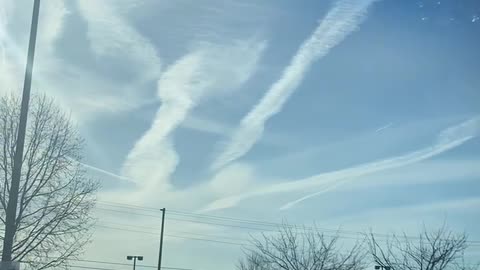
339	233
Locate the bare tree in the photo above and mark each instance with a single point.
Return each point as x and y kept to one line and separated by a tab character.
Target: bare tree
55	197
302	249
431	250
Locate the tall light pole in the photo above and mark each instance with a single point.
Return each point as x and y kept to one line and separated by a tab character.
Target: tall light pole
11	215
134	258
161	240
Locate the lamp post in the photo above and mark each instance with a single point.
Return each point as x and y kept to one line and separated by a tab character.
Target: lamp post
134	258
382	267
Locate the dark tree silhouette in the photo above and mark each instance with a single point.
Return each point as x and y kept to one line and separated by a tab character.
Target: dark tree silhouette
55	197
301	249
441	249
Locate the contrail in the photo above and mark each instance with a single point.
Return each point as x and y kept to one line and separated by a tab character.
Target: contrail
191	79
340	21
448	139
384	165
384	127
93	168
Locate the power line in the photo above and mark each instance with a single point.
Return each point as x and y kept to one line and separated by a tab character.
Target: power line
102	262
246	221
131	213
217	224
195	215
89	267
182	237
190	214
112	263
127	264
127	230
215	241
175	231
176	236
193	238
472	243
186	220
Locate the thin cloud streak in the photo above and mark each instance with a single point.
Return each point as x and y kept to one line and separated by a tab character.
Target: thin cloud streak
384	165
111	35
93	168
96	169
196	76
448	139
340	21
384	127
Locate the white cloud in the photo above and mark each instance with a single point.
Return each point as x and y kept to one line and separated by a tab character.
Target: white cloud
206	125
112	35
340	21
203	72
9	70
88	93
210	126
6	8
12	62
232	179
432	212
51	24
469	204
9	73
426	172
446	140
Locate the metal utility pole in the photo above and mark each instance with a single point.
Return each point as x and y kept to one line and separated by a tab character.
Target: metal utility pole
11	215
161	240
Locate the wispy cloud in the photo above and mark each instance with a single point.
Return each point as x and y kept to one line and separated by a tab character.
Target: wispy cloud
199	74
112	35
448	139
340	21
89	92
52	73
52	18
9	53
6	7
12	62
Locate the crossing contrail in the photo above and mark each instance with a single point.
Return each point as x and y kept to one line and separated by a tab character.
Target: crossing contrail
341	20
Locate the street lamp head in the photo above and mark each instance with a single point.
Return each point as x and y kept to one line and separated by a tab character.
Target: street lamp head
387	267
129	258
140	258
377	267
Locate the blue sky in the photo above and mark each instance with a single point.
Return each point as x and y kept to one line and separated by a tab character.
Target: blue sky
349	113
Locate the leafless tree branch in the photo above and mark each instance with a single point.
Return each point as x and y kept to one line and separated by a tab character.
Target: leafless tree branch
55	197
293	248
432	250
